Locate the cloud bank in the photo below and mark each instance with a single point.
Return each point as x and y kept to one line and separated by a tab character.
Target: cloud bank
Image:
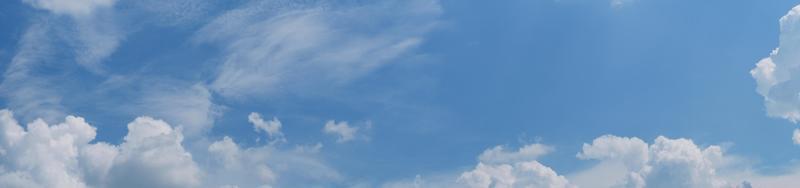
152	154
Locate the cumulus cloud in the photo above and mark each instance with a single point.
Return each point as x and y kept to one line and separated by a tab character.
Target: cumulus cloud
279	46
271	127
665	163
61	155
500	168
341	129
150	155
776	74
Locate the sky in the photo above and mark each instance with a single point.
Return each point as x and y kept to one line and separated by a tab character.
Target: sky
406	93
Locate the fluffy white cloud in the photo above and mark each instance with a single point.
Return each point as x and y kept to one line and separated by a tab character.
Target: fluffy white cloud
344	131
271	127
152	156
776	74
633	151
665	163
796	136
42	155
278	46
61	156
499	168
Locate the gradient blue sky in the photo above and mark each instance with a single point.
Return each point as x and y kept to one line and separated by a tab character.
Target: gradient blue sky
478	74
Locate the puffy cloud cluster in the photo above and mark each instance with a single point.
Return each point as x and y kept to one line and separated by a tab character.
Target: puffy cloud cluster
151	155
341	129
271	127
665	163
500	168
777	75
796	136
62	155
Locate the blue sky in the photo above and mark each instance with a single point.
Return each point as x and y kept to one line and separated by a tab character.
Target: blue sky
420	93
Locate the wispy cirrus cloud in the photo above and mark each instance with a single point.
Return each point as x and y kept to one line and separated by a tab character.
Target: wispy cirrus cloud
274	47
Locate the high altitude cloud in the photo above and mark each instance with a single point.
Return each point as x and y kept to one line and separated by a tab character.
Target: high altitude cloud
91	30
30	93
88	30
73	7
187	106
500	168
282	46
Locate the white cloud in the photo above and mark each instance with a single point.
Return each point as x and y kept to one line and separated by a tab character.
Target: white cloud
344	131
61	156
499	154
620	3
796	136
633	151
273	47
272	127
665	163
71	7
89	32
499	168
42	155
33	95
151	155
187	106
775	75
